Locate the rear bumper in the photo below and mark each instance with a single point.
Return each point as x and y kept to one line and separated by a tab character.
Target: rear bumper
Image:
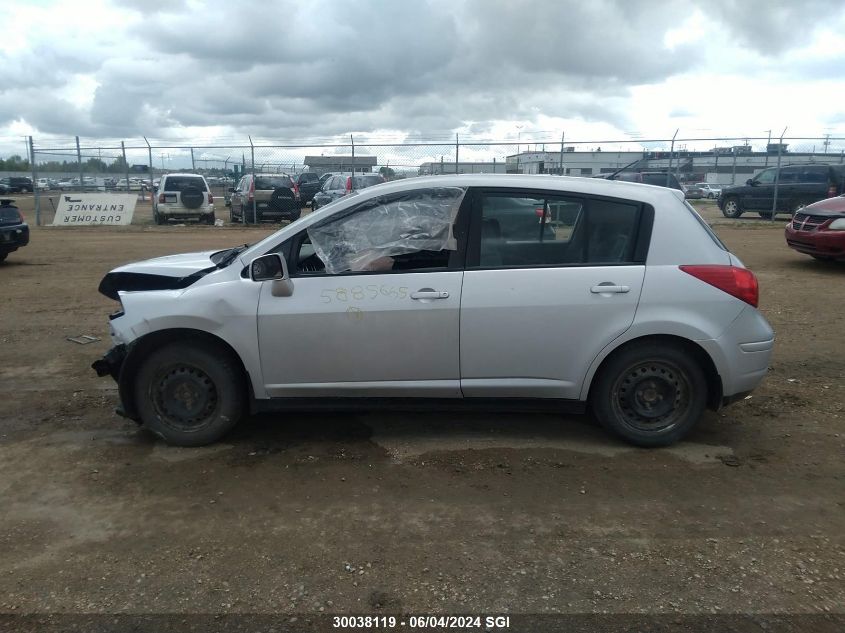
13	237
177	211
742	353
820	243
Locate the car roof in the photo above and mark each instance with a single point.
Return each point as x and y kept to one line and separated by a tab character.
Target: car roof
176	174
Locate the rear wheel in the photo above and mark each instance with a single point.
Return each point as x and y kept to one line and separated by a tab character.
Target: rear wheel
158	218
766	215
190	394
208	218
731	208
650	394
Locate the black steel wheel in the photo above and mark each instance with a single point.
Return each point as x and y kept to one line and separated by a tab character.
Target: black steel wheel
651	394
190	394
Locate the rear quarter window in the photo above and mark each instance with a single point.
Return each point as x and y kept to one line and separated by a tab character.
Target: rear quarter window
705	226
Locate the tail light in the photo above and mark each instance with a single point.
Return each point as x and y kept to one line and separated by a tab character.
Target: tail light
161	198
295	189
831	191
251	195
348	184
210	198
737	282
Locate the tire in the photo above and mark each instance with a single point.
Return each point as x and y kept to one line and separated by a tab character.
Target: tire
711	195
629	394
821	258
158	218
283	201
191	197
190	394
731	207
3	256
208	218
314	205
232	215
766	215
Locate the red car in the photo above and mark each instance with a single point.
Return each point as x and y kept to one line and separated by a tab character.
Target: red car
819	229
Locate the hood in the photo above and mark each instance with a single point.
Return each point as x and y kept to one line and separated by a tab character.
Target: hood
828	206
171	272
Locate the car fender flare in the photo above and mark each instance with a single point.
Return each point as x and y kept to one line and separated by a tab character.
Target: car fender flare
141	347
686	336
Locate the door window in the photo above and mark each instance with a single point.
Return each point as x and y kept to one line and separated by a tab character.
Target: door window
766	177
554	231
411	230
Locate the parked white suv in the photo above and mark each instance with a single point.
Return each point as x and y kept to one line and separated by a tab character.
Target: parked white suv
183	197
454	291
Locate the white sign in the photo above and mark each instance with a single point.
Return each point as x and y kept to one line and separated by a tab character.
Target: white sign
88	209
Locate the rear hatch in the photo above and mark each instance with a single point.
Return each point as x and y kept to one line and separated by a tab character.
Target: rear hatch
274	194
188	192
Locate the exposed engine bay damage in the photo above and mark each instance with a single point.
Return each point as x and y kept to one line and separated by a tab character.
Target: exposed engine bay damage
129	282
410	222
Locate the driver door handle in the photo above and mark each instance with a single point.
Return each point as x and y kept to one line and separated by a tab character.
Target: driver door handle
609	288
426	294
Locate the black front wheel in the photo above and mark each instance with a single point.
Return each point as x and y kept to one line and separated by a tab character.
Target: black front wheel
731	208
190	394
650	394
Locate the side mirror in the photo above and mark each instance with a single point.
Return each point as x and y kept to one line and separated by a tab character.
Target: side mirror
268	268
272	267
750	182
232	190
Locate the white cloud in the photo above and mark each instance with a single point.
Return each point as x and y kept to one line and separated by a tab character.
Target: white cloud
603	70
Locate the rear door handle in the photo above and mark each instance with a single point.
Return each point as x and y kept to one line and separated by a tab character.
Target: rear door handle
609	288
426	294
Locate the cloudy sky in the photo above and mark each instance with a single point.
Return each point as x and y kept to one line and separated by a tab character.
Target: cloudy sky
492	69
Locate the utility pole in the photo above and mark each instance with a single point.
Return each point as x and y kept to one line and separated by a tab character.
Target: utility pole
671	154
457	151
35	191
768	142
777	177
561	152
79	164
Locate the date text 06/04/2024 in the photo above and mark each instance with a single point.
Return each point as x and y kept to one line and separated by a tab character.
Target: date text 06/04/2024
434	622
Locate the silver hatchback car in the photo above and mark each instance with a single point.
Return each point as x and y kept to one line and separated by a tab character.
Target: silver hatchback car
448	291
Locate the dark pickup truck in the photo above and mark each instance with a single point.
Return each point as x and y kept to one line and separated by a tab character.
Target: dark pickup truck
798	186
309	184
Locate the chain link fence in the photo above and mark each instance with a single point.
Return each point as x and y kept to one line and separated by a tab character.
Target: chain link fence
74	165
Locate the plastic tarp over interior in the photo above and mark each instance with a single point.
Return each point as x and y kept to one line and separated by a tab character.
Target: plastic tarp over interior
407	222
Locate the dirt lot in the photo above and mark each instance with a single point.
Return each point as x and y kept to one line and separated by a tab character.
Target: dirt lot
389	512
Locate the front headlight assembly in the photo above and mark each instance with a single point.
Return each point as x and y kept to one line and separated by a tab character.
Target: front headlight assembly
837	225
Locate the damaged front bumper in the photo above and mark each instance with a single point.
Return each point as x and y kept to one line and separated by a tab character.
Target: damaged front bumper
110	364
